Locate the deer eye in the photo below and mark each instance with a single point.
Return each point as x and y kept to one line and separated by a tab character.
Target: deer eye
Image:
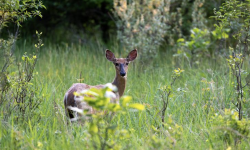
116	64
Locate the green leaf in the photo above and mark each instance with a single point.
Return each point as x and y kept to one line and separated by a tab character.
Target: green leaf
114	107
93	129
180	40
190	44
89	99
196	30
155	129
225	35
95	91
214	33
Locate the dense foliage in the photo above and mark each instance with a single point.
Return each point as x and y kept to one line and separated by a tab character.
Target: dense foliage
85	17
80	17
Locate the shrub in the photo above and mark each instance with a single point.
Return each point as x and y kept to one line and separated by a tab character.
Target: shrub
17	95
199	44
194	48
230	128
235	15
142	25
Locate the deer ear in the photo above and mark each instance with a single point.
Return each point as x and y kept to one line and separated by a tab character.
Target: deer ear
109	55
132	55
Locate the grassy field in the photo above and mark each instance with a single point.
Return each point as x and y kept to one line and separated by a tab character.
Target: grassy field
198	94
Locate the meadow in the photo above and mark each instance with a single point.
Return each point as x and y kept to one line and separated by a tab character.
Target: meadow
201	93
189	84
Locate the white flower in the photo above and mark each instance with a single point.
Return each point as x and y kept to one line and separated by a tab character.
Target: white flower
111	86
110	94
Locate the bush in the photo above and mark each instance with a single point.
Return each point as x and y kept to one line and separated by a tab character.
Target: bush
142	25
235	15
18	94
229	128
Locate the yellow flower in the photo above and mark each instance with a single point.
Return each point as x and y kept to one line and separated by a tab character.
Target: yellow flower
132	130
39	144
227	111
229	148
34	57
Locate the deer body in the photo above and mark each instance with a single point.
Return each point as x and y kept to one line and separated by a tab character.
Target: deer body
121	66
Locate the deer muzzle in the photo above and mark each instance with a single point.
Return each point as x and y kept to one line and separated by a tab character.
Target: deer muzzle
122	70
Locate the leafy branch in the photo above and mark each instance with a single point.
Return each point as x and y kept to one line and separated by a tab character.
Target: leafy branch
166	93
105	134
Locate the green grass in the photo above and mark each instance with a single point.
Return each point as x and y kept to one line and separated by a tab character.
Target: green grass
59	66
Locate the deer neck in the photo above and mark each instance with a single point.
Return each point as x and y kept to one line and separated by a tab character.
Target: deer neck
120	83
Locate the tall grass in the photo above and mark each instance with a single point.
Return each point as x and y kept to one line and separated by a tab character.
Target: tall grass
61	65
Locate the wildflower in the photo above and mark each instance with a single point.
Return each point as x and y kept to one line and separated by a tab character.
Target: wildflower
111	86
39	144
110	94
229	148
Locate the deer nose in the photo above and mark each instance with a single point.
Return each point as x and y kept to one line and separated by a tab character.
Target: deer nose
123	73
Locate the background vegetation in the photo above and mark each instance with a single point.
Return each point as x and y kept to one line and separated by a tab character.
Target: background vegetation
191	77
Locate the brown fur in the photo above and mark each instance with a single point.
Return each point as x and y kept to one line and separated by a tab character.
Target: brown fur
121	65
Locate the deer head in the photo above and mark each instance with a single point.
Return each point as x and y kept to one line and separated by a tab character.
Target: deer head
121	64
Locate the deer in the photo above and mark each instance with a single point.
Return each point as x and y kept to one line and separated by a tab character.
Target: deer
121	68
